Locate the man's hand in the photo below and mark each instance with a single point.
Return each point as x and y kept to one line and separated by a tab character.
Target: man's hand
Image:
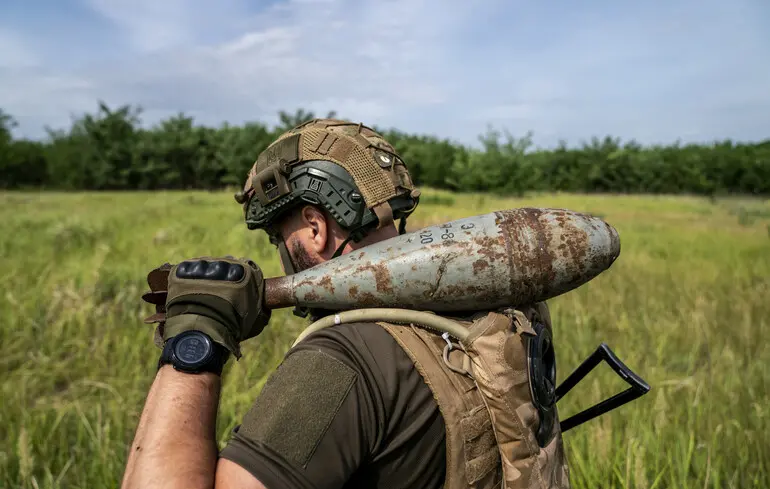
175	444
222	297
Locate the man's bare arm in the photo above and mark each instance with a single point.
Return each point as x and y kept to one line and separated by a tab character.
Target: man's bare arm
204	300
175	442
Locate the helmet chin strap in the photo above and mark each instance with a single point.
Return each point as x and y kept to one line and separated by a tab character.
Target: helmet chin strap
290	269
283	253
341	247
360	233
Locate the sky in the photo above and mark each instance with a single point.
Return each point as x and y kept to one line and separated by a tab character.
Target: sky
655	71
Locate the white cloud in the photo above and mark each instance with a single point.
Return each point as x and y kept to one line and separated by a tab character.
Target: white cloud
156	25
443	67
14	54
151	25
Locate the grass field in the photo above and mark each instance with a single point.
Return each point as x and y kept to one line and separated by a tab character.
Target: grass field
687	306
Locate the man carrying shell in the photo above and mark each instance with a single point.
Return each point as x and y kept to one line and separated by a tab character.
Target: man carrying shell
372	404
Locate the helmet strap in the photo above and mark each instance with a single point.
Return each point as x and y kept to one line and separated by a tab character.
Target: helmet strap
290	269
283	252
402	225
339	249
359	234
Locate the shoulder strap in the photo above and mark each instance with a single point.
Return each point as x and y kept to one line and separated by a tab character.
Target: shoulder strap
498	345
483	390
473	460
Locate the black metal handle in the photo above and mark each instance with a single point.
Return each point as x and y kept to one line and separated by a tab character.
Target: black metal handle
638	387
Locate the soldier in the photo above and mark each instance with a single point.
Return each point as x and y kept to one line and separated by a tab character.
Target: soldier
371	405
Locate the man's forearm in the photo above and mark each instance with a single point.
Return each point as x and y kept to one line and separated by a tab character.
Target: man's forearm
175	442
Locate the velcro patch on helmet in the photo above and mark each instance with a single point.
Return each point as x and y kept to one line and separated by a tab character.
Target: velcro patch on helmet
376	184
286	149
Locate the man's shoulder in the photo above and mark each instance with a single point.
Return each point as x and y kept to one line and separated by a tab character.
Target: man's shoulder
360	331
363	345
347	404
384	369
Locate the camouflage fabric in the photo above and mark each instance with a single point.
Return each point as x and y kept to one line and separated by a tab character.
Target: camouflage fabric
379	173
484	392
220	296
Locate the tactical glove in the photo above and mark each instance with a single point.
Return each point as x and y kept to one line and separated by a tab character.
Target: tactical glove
222	297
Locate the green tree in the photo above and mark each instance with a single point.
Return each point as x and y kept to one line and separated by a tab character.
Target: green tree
300	116
110	149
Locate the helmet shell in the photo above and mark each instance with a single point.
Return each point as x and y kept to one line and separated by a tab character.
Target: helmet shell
347	168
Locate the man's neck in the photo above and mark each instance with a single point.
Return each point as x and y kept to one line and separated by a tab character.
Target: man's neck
373	237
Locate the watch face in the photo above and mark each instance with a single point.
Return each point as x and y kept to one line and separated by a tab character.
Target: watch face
192	349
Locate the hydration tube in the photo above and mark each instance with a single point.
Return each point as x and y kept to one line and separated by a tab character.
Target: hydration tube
389	315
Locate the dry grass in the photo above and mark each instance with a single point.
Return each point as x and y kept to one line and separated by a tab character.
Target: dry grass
687	306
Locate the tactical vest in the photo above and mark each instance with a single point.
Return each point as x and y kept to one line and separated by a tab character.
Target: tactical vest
502	428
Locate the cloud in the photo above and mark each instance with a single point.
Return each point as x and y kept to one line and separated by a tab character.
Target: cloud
14	54
152	25
653	71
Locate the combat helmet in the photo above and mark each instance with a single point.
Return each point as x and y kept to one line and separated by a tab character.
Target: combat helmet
347	169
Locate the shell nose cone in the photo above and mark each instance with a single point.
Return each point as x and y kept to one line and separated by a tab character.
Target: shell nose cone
580	246
603	245
614	242
603	240
552	251
609	247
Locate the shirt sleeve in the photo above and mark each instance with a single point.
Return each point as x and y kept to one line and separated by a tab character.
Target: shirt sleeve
314	423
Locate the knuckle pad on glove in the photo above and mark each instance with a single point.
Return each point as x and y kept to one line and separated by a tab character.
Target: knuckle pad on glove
211	270
221	293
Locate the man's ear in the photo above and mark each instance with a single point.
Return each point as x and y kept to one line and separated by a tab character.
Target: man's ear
317	231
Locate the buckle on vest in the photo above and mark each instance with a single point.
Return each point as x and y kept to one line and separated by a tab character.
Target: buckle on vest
449	347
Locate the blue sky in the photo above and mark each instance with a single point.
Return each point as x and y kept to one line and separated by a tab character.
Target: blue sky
655	71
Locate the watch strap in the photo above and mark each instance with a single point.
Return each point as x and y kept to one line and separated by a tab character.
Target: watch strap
215	364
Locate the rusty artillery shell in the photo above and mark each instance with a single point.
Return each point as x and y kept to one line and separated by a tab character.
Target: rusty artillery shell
502	259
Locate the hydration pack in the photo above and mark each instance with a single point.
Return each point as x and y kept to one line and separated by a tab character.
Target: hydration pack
497	395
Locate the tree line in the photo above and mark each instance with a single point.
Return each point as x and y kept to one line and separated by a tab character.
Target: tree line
111	150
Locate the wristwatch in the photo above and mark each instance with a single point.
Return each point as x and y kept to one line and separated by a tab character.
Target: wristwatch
194	352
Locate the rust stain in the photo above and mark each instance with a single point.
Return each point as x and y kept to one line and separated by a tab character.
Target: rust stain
278	292
519	260
574	258
491	248
479	265
531	270
312	296
478	293
561	217
326	283
306	282
381	276
462	290
367	299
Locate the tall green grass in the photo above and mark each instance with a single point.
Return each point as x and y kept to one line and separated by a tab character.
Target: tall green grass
687	306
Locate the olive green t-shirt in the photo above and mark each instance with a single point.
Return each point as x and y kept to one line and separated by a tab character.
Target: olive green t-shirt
345	409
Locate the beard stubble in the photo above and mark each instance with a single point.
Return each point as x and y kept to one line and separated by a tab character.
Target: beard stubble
301	258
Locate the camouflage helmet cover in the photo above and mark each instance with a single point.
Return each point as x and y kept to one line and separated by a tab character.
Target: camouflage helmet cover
372	167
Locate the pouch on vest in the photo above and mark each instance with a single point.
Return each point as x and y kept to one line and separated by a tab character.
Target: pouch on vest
496	395
496	391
